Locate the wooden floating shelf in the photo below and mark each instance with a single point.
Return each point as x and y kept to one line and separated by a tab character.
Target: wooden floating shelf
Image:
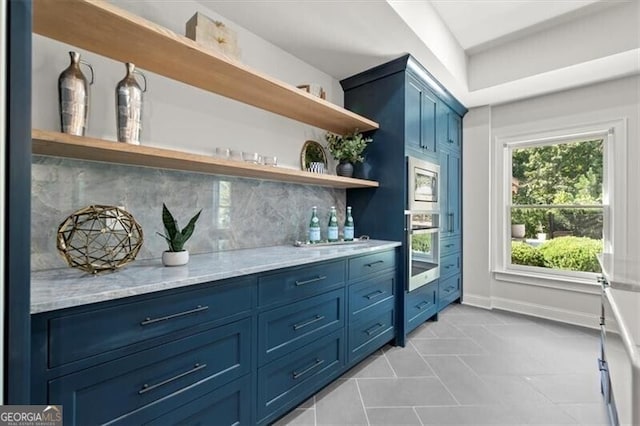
112	32
84	148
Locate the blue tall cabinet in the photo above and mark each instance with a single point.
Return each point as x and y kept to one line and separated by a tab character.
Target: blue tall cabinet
420	118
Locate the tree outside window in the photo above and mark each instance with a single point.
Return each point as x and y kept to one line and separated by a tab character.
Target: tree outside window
557	194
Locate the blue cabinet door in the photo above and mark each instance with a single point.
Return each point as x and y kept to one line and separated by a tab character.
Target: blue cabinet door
451	221
420	118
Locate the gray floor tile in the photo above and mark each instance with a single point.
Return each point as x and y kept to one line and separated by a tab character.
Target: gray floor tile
475	318
406	362
514	389
519	364
465	386
299	416
309	403
569	388
392	416
372	367
491	342
588	414
468	415
547	415
340	404
404	392
457	346
440	328
520	330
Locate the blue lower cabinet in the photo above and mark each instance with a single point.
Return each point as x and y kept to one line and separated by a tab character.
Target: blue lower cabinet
288	381
292	326
449	290
365	296
420	305
226	406
370	333
157	380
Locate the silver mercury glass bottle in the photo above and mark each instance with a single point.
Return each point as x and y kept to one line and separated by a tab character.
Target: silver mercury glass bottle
73	97
129	106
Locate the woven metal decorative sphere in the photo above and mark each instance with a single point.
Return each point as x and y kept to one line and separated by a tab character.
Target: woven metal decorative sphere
99	238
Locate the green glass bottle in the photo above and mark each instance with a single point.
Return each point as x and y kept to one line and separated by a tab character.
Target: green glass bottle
314	226
332	230
348	226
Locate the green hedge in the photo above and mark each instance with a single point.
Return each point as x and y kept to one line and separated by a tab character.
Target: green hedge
572	253
569	253
524	254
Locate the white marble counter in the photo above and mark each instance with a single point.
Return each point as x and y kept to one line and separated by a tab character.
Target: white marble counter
67	287
622	274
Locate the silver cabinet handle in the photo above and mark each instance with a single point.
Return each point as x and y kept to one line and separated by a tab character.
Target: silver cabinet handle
309	322
147	388
298	374
374	328
197	309
369	265
423	305
375	294
312	280
450	220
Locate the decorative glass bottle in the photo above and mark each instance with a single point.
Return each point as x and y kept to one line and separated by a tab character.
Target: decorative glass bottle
73	97
314	226
332	230
348	226
129	106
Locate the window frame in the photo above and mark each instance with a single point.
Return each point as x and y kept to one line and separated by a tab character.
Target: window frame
614	206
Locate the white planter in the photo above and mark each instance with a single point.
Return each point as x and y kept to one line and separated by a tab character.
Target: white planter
517	231
175	258
542	236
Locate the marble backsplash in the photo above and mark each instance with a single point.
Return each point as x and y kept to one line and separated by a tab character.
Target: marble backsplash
236	212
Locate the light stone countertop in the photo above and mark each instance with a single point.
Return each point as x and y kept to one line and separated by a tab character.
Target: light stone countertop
67	287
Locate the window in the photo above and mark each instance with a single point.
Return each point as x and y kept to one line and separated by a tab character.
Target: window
556	207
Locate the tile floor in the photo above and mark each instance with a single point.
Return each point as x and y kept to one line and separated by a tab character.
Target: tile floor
472	367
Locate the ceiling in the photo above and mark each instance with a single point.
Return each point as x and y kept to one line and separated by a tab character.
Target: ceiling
485	52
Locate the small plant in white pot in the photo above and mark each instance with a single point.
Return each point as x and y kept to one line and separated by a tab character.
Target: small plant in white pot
176	255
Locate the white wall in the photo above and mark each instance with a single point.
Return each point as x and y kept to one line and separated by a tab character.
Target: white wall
176	115
609	101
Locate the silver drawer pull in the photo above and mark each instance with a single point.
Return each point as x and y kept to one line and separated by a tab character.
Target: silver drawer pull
306	323
374	328
448	245
448	266
375	294
450	289
423	305
312	280
147	388
297	375
149	320
369	265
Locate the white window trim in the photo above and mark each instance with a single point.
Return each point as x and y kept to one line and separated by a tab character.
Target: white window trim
614	201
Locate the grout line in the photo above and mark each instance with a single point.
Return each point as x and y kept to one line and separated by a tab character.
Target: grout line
395	375
417	415
366	416
441	382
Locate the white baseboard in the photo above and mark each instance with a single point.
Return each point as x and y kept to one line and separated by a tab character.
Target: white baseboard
563	315
477	301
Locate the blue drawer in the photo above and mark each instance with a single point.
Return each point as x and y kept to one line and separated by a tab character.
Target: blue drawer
449	245
285	329
449	265
449	291
285	381
73	337
226	406
148	379
365	295
420	305
371	332
364	266
298	283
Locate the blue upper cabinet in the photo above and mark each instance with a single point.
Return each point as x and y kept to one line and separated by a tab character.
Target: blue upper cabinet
450	204
420	118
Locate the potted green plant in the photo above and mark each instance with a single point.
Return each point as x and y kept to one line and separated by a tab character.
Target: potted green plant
176	255
347	150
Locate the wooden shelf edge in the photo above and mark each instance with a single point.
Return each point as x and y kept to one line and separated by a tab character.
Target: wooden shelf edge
107	30
58	144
